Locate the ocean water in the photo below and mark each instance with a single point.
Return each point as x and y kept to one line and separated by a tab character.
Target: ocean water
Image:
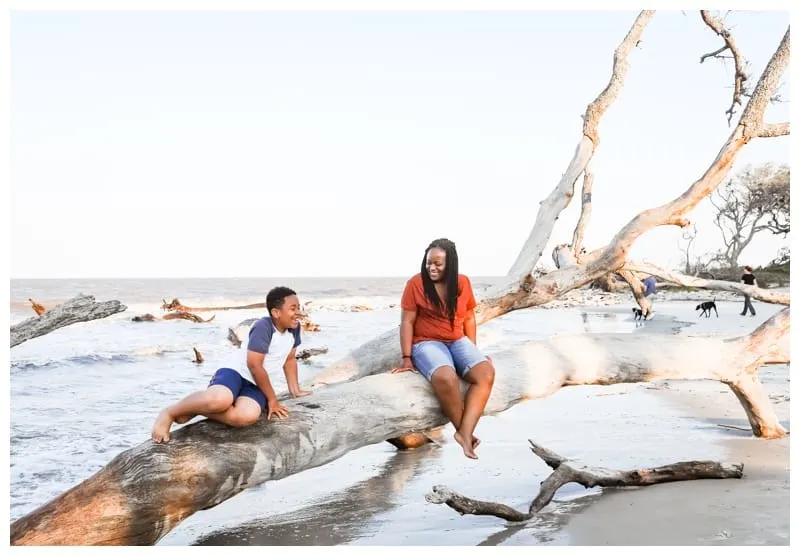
86	392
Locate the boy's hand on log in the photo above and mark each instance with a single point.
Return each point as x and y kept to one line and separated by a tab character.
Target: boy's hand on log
277	410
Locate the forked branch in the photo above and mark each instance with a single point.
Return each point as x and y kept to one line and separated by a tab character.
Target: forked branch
589	477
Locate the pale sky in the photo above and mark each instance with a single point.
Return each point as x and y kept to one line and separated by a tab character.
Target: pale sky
190	144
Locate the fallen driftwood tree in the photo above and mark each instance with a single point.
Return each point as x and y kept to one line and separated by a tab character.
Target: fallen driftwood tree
147	490
176	305
589	477
81	308
178	315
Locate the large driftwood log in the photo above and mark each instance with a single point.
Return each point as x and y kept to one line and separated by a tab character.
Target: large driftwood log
80	308
147	490
589	477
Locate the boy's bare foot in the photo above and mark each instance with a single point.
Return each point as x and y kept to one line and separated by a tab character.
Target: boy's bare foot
161	427
468	447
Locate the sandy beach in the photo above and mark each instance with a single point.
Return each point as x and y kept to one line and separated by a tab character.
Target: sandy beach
750	511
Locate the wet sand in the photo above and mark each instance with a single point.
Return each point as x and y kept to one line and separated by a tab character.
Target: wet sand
750	511
375	496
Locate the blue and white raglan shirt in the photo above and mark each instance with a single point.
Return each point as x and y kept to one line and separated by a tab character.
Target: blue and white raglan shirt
276	347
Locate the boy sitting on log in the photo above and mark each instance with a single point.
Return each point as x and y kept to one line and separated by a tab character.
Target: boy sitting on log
232	399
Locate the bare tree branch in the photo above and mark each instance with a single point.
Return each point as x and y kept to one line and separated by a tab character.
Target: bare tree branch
560	197
753	115
586	211
589	477
715	54
767	296
774	130
738	60
612	257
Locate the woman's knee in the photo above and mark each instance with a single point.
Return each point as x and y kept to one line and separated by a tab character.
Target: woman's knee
482	373
445	377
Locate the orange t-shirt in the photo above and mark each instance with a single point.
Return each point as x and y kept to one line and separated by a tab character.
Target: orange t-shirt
432	324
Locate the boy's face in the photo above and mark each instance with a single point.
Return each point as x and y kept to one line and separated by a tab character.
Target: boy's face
287	315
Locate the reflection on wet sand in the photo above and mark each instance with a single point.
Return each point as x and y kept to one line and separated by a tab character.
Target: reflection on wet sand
337	519
545	527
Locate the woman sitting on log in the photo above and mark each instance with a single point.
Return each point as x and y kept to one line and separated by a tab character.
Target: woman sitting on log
437	338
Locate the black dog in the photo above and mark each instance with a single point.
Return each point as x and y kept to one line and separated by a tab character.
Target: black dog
638	314
706	307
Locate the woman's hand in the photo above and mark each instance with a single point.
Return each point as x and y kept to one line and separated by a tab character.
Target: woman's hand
405	366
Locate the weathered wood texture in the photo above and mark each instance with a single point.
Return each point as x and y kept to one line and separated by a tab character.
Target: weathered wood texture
147	490
589	477
80	308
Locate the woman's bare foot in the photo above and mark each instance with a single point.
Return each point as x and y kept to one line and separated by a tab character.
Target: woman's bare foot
475	441
468	447
161	427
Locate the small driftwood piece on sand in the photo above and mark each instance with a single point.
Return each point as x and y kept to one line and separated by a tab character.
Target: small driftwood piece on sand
37	307
147	317
304	354
198	357
176	305
238	332
565	473
81	308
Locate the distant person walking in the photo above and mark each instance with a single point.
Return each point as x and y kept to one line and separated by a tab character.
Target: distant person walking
649	284
749	279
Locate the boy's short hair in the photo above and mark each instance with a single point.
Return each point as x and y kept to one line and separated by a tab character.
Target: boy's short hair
276	296
748	268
